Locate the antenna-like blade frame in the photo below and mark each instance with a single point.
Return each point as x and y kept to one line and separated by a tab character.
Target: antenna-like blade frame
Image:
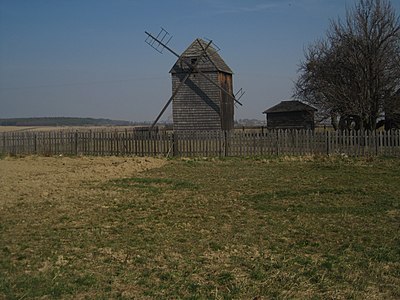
159	42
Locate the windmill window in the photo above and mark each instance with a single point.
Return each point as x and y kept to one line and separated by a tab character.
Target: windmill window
193	61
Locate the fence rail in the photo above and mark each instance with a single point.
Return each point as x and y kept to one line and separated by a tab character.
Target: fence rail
196	143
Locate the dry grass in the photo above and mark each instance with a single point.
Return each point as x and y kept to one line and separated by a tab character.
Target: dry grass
63	128
199	229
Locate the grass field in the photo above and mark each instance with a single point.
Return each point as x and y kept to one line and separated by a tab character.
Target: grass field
62	128
313	227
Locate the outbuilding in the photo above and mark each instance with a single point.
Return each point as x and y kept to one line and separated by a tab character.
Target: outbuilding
290	115
392	118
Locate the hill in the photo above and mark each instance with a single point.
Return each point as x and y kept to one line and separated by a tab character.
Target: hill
62	121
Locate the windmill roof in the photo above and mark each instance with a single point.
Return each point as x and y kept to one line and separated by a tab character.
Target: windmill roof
214	60
288	106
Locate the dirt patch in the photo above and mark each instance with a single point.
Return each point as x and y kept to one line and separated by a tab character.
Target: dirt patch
35	177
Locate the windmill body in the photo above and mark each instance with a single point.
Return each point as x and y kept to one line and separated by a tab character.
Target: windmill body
202	86
199	103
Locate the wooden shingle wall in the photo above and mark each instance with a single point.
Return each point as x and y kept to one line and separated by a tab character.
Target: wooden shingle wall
197	106
227	103
291	120
201	105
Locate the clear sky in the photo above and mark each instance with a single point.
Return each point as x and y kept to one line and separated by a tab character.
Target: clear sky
88	58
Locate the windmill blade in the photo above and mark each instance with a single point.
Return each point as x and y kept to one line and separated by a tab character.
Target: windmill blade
170	99
240	93
216	84
215	46
159	42
151	40
180	85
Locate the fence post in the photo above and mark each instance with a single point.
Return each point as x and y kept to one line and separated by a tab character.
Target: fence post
126	143
277	141
226	143
174	144
76	142
116	135
35	143
327	138
4	143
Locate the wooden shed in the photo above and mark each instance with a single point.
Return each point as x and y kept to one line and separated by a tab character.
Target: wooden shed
290	115
199	104
392	118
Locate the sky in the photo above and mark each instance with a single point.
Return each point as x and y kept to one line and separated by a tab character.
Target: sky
88	58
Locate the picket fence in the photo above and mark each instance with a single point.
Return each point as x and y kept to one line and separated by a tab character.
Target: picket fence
241	143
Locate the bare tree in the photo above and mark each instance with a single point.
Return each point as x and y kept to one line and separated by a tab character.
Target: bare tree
354	73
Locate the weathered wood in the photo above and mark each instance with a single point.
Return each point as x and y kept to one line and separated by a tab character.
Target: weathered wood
200	103
202	143
290	115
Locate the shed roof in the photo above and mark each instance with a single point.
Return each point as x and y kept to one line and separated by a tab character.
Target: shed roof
289	106
216	63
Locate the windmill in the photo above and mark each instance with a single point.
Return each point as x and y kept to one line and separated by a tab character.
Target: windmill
202	85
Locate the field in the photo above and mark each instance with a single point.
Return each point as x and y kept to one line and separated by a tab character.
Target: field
61	128
141	228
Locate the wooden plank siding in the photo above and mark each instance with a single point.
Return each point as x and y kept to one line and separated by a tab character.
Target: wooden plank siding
226	103
291	120
196	106
215	143
290	114
200	104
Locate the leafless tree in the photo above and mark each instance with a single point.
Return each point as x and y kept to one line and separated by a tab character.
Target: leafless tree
353	74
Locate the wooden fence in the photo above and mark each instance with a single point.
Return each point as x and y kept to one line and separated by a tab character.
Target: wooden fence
205	144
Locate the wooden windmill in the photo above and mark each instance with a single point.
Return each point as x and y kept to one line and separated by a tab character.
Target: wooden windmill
202	85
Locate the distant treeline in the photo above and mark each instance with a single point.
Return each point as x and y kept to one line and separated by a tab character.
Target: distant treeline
62	121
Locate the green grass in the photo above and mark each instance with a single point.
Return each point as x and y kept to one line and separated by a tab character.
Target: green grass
223	229
153	185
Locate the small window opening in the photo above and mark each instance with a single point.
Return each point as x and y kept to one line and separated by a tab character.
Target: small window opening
193	61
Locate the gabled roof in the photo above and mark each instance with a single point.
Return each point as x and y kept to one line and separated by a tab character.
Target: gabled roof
289	106
213	62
